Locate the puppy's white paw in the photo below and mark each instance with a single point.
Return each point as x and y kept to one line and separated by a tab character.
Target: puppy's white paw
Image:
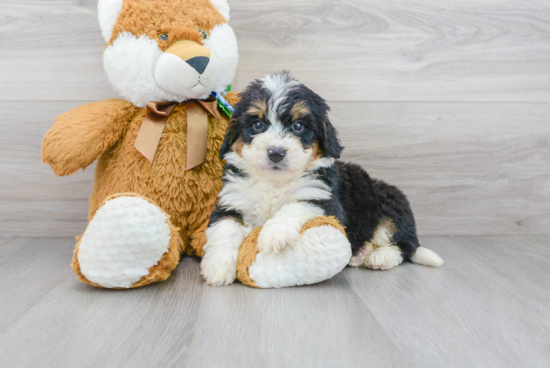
219	264
219	269
276	235
385	258
361	257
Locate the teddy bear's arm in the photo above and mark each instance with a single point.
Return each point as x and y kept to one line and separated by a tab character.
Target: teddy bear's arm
80	136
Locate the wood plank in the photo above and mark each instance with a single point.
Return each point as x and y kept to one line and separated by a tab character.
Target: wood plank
57	56
54	218
380	50
467	168
488	306
78	325
351	50
6	240
30	268
319	326
22	175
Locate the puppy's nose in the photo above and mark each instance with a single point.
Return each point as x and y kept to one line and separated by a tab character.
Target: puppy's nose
276	154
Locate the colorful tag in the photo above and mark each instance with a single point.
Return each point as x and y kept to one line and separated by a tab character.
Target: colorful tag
223	104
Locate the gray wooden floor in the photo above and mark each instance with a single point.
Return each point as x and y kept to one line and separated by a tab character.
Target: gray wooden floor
488	306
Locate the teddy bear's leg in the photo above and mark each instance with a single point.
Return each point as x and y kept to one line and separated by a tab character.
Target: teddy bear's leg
130	242
321	252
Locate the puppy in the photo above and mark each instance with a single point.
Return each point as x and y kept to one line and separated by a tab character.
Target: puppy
281	171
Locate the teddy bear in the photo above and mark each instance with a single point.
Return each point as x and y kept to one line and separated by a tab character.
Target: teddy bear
157	148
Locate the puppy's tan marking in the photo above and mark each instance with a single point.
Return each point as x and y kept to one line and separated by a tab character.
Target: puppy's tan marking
258	108
382	237
299	110
316	154
237	147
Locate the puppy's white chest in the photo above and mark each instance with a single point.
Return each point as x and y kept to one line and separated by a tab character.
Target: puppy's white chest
259	201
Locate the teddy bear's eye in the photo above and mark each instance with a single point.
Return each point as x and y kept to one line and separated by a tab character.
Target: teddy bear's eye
163	36
203	33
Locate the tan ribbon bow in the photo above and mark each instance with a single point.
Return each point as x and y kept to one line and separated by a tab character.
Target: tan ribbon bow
149	135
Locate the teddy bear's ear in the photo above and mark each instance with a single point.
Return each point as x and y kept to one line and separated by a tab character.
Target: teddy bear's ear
108	11
223	8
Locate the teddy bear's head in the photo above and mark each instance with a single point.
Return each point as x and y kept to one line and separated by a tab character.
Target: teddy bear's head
167	50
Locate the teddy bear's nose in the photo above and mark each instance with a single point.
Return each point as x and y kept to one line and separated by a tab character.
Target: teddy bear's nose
199	63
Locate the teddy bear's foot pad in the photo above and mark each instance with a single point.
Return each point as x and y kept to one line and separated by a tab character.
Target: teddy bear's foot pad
126	238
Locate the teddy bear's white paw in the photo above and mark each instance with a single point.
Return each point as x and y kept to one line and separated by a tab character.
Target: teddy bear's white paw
219	264
318	255
276	235
385	258
126	237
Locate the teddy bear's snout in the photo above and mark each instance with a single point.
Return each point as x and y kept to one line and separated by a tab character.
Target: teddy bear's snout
186	69
199	63
192	53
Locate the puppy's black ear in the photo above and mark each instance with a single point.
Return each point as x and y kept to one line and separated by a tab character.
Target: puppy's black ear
231	135
326	133
329	142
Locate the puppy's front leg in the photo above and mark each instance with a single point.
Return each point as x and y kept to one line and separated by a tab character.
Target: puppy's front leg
284	228
223	240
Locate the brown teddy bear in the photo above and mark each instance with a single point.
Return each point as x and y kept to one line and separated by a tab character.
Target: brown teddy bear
158	172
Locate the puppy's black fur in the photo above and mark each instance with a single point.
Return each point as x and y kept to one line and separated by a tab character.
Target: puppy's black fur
360	203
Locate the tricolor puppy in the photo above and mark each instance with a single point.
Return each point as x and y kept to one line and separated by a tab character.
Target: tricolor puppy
281	171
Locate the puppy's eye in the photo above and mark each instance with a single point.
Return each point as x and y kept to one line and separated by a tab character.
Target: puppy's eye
298	127
258	126
204	34
163	36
